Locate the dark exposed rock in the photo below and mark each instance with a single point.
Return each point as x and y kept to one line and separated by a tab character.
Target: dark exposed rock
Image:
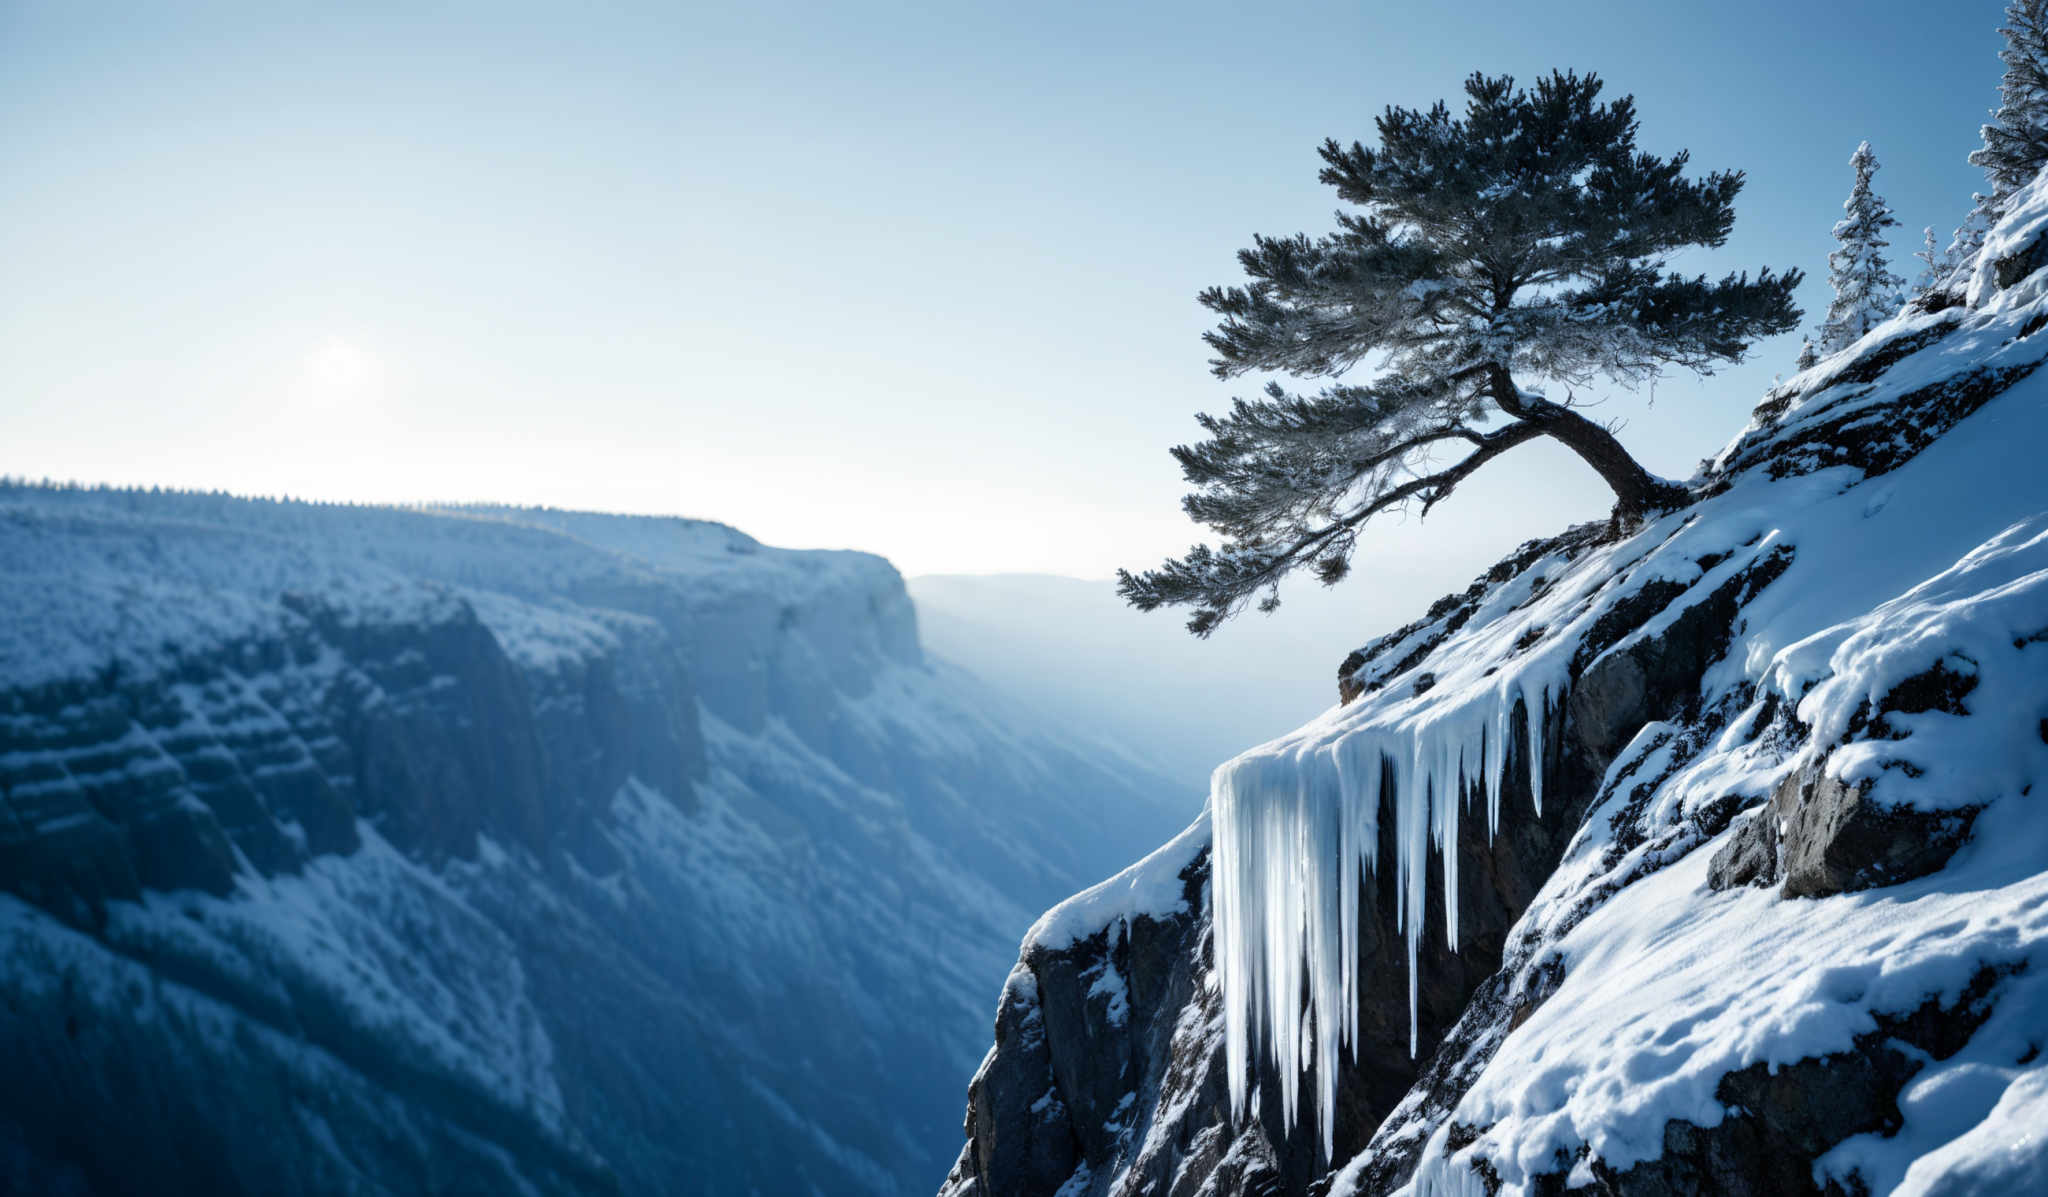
1468	1001
500	852
1781	1120
182	847
437	763
1503	1002
1871	365
1865	368
250	1130
1657	677
1084	1033
1876	446
117	784
1750	857
2016	266
1818	836
1022	1133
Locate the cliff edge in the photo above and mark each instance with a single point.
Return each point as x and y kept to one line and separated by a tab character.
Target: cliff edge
1697	856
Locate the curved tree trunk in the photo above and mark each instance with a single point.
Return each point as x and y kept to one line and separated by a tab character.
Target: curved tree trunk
1636	490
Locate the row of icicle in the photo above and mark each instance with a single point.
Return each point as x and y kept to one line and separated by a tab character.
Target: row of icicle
1297	830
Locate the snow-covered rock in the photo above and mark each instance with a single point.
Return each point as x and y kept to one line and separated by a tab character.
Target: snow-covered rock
1699	856
484	850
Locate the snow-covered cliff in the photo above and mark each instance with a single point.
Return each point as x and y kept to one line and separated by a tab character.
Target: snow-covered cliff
375	850
1700	856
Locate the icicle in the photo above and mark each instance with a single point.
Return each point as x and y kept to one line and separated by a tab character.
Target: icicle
1297	836
1496	766
1411	787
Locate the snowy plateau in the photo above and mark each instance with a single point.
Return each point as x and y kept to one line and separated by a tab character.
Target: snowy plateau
373	850
1703	855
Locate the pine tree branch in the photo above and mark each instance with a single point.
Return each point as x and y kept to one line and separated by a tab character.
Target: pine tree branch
1220	585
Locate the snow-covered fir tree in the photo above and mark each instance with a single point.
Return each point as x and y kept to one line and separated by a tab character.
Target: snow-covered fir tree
1526	239
1866	290
2016	140
1808	356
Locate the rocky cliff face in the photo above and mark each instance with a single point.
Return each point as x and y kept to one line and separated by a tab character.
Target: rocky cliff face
1776	924
362	850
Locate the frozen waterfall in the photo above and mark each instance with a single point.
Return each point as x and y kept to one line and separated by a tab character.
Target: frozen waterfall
1297	828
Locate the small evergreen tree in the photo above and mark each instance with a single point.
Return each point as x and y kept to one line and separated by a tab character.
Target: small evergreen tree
1969	235
1808	356
1936	264
1866	290
1526	240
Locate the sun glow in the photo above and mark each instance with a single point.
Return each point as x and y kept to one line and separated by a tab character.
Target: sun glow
337	373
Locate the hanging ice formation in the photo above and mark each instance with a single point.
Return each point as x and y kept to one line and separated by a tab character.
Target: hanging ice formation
1297	829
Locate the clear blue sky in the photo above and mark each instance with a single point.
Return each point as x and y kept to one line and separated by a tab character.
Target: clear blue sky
911	278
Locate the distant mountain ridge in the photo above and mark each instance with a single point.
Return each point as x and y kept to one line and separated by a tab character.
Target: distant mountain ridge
495	850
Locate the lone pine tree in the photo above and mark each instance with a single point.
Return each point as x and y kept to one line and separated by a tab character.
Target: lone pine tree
1526	240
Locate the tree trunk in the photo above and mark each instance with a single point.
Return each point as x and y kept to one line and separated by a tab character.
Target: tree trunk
1636	490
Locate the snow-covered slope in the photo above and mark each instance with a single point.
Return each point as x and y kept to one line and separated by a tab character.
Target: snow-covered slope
485	850
1701	856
